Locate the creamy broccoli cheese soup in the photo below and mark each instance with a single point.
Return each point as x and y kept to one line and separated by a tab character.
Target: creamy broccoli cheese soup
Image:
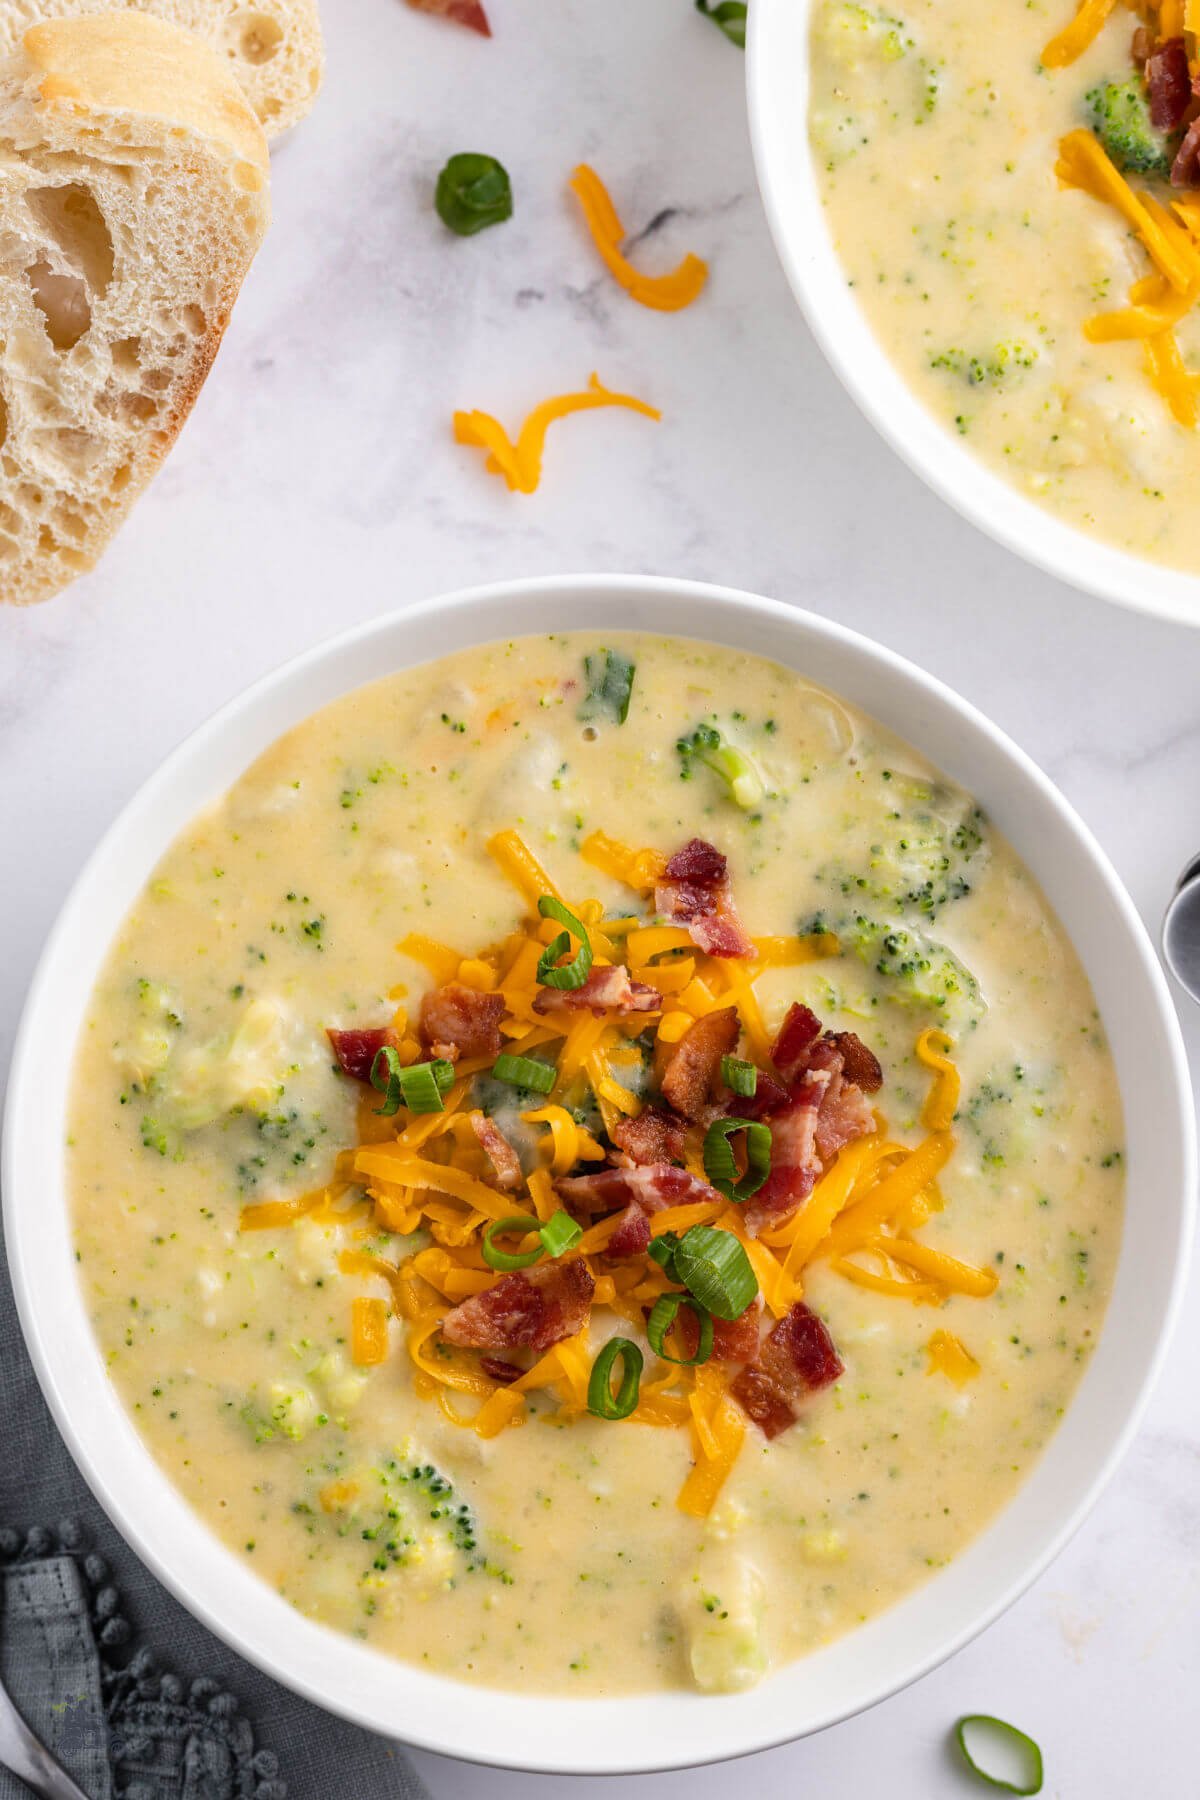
594	1167
1002	204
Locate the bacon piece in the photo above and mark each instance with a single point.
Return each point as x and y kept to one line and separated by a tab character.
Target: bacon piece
459	1021
695	892
503	1372
859	1065
356	1050
632	1236
797	1359
734	1340
1185	170
767	1097
464	12
795	1162
606	989
499	1152
654	1186
797	1035
655	1136
1169	82
695	1063
529	1309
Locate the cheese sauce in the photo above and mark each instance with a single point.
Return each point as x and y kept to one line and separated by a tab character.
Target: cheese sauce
935	136
554	1556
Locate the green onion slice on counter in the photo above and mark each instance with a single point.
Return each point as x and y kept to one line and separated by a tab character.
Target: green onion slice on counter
741	1078
601	1399
507	1260
729	16
1018	1748
420	1087
713	1266
572	974
525	1072
560	1233
662	1316
473	192
720	1166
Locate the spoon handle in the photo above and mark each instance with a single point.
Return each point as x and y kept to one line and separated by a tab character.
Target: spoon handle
24	1756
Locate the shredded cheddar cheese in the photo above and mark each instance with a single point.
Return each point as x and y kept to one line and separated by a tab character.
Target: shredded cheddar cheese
949	1356
521	463
429	1173
1075	38
664	293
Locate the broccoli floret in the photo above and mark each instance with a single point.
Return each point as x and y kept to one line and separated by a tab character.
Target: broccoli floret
931	842
1120	115
993	367
919	971
742	780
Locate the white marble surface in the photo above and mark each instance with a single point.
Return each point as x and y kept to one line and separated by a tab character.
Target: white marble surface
317	484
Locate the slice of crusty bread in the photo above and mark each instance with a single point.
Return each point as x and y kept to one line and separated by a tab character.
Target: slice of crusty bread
273	47
133	195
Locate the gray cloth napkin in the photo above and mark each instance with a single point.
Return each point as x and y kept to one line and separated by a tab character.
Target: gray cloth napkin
131	1694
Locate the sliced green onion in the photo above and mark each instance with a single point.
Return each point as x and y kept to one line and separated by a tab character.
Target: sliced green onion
663	1248
574	973
729	16
610	686
507	1260
420	1086
741	1078
662	1317
719	1165
713	1266
473	191
560	1232
1026	1751
525	1072
601	1399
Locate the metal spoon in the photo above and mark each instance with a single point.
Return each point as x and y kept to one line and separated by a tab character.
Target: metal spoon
1181	930
24	1756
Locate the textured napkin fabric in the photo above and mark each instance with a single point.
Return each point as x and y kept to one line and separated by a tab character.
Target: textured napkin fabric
131	1694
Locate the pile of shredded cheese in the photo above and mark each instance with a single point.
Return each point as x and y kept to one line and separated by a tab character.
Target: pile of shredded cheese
427	1172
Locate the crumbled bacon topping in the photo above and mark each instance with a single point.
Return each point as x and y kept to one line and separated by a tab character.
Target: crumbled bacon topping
695	892
530	1309
463	12
458	1021
653	1186
734	1340
1169	82
607	989
1185	170
632	1236
695	1066
797	1359
795	1162
655	1136
797	1035
499	1152
497	1370
356	1050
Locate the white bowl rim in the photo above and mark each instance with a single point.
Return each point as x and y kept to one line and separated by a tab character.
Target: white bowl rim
777	92
553	1734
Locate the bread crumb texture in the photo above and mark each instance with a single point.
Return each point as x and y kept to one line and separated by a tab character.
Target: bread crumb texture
272	48
134	192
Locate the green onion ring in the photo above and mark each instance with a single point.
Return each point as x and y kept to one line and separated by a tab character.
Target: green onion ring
663	1248
1025	1744
601	1399
662	1317
506	1260
525	1072
575	973
560	1233
714	1267
385	1078
741	1078
719	1165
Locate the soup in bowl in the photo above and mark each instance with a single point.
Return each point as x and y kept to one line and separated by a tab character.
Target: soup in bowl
594	1169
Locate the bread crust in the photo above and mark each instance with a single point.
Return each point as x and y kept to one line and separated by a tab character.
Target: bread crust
134	192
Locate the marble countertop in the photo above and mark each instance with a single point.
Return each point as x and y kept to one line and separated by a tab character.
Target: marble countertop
317	484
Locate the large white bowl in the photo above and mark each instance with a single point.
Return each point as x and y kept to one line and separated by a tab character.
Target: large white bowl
660	1730
778	83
